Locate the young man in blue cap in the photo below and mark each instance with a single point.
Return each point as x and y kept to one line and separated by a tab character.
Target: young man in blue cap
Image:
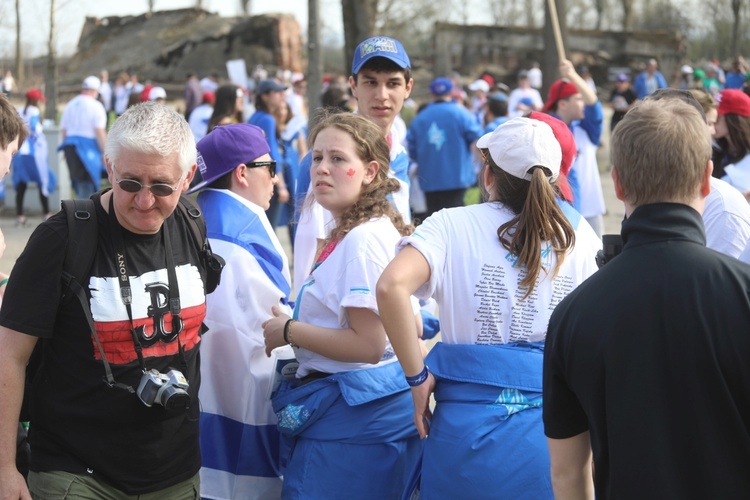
380	81
440	140
239	438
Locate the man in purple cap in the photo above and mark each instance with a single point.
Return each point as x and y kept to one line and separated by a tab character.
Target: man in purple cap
239	438
440	140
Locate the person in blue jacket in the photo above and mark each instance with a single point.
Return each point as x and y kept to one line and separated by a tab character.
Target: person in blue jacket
269	97
440	140
649	80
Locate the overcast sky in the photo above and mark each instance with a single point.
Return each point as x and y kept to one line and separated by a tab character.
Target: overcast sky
72	13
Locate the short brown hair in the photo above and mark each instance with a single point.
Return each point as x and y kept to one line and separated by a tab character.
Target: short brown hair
12	125
661	152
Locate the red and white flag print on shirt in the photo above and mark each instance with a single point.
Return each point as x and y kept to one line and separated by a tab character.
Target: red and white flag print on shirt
151	314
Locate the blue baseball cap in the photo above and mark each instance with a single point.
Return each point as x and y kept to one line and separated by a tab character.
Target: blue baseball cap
499	96
269	85
441	86
380	46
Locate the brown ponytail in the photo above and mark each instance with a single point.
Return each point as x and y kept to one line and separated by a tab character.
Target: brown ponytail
538	219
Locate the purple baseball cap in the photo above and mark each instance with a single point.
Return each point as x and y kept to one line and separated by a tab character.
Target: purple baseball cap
380	46
227	146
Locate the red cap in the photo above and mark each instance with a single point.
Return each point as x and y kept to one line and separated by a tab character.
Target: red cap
35	95
209	97
567	146
145	93
561	89
733	102
489	80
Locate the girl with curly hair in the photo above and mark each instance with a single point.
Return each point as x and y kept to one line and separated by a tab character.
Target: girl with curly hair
348	410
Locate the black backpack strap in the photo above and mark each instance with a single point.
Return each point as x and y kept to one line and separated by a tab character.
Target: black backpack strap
83	241
212	263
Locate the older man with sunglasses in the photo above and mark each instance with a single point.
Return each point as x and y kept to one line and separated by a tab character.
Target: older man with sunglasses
239	438
119	436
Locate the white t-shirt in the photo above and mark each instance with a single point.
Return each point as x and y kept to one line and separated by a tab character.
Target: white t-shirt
83	116
515	98
738	174
474	281
726	219
347	278
208	85
199	121
315	222
105	91
535	78
586	168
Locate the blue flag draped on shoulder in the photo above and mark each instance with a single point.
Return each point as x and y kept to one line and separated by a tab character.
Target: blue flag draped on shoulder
228	220
241	446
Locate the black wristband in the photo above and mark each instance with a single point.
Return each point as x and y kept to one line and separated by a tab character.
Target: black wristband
288	331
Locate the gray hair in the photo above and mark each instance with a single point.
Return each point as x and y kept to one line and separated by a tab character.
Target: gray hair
152	128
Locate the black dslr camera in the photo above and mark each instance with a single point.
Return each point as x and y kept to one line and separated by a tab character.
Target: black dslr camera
168	390
611	248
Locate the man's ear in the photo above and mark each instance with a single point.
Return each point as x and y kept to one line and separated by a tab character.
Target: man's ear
189	178
238	175
409	86
619	192
110	171
706	184
353	85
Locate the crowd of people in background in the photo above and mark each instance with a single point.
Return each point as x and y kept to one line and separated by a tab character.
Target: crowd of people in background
476	213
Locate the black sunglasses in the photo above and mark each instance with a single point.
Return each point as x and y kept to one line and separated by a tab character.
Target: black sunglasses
271	165
160	190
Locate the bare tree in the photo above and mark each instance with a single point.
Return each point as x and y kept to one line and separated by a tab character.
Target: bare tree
413	22
245	6
314	58
736	9
600	6
507	12
530	10
359	24
50	78
19	55
627	15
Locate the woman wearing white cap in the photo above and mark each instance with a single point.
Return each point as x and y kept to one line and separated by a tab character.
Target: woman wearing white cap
497	271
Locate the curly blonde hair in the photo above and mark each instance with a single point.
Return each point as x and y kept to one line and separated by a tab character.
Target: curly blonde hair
373	199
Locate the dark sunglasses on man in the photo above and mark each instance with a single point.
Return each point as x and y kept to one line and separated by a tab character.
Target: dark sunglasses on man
270	164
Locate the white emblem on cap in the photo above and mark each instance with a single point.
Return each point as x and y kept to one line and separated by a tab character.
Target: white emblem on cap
377	45
201	164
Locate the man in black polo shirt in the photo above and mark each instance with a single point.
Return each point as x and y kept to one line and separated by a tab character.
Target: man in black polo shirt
646	363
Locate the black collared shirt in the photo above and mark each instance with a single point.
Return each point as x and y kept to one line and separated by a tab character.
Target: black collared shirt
651	355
